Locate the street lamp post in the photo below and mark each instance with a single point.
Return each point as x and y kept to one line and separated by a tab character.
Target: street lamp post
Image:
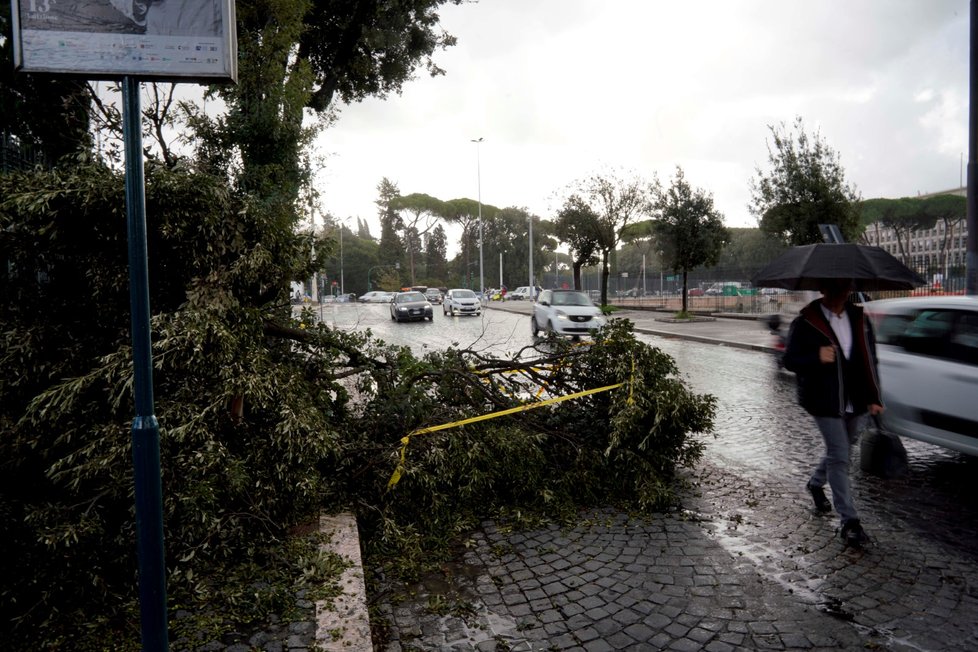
533	286
478	171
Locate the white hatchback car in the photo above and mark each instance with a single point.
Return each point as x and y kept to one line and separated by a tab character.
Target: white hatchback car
565	312
928	361
461	301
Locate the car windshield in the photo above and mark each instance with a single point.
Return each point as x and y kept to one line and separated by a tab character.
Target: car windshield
571	299
410	297
463	294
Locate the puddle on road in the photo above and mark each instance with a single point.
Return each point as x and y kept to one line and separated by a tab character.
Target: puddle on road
448	601
762	559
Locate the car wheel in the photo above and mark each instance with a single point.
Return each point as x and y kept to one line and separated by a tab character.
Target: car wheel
533	325
550	327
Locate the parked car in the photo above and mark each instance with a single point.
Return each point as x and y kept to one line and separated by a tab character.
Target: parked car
407	306
695	292
433	295
565	312
928	362
520	293
461	302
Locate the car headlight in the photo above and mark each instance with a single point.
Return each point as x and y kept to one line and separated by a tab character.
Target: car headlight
401	309
561	315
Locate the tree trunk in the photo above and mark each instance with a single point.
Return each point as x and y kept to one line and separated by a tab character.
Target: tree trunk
605	273
685	295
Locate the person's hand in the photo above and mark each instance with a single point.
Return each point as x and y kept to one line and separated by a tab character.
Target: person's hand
826	354
875	409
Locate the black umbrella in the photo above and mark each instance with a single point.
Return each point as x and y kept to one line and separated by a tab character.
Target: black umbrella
870	268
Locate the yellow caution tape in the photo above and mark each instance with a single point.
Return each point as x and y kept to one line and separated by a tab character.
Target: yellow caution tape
396	476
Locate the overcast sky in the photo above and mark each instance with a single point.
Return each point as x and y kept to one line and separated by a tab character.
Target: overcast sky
560	89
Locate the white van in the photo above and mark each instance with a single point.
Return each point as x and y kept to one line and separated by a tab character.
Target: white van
522	292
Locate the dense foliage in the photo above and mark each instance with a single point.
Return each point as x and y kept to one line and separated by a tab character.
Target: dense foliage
690	229
264	421
805	187
232	483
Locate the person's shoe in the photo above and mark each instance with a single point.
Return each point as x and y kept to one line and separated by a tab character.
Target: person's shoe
822	503
853	534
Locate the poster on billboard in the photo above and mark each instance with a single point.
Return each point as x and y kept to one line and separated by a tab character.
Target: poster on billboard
169	40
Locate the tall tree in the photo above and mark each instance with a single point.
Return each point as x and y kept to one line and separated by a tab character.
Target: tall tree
391	246
466	213
436	256
691	229
804	187
422	214
577	225
296	55
951	211
363	229
617	202
904	216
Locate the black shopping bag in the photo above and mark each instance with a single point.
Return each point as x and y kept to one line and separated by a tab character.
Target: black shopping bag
881	452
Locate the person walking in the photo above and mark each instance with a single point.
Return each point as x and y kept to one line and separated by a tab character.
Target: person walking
832	350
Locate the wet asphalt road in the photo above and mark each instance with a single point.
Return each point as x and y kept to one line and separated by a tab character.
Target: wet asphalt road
746	566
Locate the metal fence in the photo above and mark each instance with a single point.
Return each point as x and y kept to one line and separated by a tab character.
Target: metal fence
725	290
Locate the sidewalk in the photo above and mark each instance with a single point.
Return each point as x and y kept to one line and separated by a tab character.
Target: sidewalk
746	332
746	565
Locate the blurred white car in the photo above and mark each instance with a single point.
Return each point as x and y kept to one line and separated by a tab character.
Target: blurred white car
565	312
377	296
928	361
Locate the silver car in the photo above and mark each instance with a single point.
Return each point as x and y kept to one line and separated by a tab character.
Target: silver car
565	312
928	361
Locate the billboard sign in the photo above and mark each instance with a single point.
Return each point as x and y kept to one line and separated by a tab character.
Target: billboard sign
168	40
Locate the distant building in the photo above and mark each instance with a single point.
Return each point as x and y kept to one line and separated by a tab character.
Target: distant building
939	254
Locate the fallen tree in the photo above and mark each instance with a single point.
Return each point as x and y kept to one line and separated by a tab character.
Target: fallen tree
265	419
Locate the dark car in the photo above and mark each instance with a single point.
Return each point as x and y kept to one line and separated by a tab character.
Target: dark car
408	306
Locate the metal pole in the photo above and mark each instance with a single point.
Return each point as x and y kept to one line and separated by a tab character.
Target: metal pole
971	269
145	429
478	171
532	285
645	285
342	291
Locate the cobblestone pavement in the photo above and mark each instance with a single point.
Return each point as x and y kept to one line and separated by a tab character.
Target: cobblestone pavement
746	564
744	567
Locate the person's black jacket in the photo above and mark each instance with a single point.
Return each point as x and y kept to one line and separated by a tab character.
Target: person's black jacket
823	389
